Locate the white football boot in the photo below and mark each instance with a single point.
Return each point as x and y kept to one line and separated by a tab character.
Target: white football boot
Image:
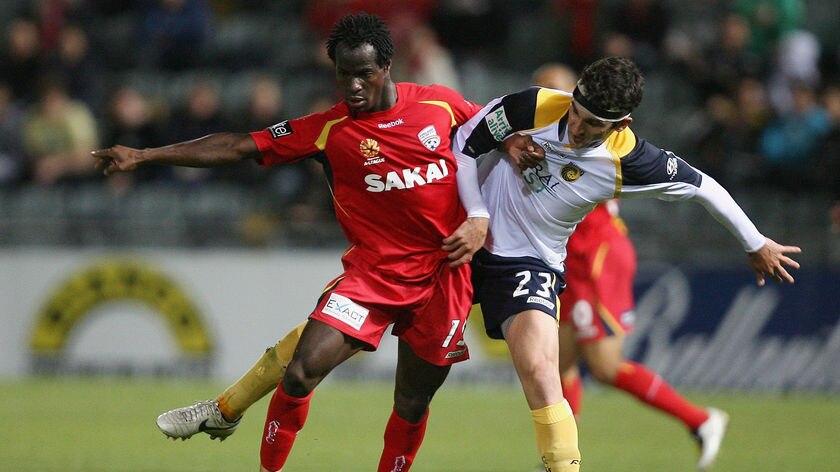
709	437
203	417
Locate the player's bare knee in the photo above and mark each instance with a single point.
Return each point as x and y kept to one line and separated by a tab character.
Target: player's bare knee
299	381
604	372
411	406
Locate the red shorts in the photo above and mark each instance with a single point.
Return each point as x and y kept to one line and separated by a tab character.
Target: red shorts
430	317
599	286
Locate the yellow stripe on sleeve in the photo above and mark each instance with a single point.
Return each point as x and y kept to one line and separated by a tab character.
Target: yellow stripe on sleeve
551	107
321	142
444	105
619	145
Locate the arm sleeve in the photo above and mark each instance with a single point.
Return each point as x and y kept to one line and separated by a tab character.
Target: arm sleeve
649	171
468	189
720	204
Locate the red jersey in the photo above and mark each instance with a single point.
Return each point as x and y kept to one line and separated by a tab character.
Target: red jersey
602	223
392	174
600	268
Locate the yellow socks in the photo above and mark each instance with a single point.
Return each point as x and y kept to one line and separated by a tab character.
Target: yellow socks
261	379
557	437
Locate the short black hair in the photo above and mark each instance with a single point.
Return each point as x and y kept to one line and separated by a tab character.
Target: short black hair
613	83
355	30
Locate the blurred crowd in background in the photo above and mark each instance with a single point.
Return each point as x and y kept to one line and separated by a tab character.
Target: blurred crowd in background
746	90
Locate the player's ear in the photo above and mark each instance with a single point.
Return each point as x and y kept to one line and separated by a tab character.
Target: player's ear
623	123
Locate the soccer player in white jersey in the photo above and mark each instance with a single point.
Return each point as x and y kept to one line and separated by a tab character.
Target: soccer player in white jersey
597	312
585	153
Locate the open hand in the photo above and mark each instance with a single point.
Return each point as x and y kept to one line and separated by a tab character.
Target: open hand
771	259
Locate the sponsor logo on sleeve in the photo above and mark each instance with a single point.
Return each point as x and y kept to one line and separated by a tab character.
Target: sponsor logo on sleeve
498	124
671	167
345	310
280	129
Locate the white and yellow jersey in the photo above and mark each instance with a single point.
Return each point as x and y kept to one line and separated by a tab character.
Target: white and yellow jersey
533	213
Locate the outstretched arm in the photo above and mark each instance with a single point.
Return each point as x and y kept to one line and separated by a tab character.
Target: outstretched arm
210	151
765	256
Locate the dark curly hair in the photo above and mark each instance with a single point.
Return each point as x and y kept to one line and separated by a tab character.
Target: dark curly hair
361	28
613	83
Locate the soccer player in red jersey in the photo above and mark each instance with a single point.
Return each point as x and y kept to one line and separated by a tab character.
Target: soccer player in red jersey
386	152
597	312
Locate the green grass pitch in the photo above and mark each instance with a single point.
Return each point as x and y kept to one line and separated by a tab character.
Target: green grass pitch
69	424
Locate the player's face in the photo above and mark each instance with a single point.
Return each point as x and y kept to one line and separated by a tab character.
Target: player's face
585	129
363	83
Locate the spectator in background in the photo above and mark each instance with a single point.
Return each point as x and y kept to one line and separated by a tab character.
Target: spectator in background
582	25
645	23
616	44
53	16
132	120
796	59
769	21
174	34
474	29
21	62
73	60
790	142
59	133
13	165
402	17
265	103
265	108
555	75
829	155
720	67
728	147
199	115
426	61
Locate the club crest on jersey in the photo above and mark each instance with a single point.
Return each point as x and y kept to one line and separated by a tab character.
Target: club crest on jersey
370	149
571	172
429	137
498	124
280	129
